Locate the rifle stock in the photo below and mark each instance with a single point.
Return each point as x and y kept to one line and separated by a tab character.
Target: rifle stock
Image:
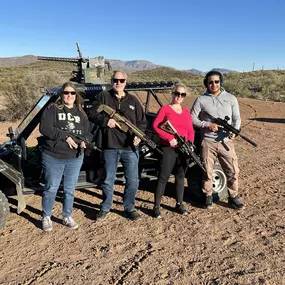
126	125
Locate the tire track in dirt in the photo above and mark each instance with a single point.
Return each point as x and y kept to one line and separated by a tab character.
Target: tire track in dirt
254	112
40	273
49	266
133	264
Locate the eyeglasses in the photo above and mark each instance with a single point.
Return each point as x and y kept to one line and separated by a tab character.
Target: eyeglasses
214	81
176	93
116	80
69	92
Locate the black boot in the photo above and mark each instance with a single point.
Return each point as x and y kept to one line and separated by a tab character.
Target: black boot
209	202
180	208
156	212
235	203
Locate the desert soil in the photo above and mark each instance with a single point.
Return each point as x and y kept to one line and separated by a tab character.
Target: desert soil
221	246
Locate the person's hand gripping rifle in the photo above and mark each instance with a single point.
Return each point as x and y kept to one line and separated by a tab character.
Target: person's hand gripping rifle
223	123
187	148
125	125
80	142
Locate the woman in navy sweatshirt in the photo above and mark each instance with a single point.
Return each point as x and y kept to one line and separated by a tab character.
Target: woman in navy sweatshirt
62	156
181	120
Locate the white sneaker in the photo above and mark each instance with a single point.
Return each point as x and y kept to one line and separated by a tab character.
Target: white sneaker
69	222
47	224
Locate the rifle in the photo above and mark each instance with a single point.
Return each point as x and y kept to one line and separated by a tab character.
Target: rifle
186	148
79	138
226	126
125	125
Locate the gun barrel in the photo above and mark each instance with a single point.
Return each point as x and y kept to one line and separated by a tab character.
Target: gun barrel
63	59
78	49
248	140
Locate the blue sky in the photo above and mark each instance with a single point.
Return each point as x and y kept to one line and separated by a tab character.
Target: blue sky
183	34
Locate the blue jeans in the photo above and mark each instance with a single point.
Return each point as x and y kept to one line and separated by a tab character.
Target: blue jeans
129	160
56	170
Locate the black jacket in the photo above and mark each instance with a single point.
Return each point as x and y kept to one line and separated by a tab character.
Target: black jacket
129	107
53	126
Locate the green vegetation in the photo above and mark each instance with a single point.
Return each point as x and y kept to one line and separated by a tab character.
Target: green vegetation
262	84
20	86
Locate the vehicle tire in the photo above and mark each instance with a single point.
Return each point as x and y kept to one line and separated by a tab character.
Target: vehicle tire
4	209
220	190
194	179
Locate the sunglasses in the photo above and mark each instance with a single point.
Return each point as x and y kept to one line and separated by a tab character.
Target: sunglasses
176	93
214	81
116	80
69	92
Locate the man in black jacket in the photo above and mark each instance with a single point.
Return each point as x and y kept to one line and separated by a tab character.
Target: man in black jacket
118	145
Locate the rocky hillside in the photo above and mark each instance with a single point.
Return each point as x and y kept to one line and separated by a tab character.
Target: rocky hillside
17	60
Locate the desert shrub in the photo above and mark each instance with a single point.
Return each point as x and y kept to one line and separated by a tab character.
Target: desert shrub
274	96
22	93
262	84
255	95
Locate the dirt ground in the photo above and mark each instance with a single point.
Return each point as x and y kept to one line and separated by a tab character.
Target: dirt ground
221	246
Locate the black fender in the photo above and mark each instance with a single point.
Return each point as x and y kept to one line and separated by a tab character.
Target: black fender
16	177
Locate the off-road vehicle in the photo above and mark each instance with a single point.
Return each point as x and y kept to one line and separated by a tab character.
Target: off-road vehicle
20	165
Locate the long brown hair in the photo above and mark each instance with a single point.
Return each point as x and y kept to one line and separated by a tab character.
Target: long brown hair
78	99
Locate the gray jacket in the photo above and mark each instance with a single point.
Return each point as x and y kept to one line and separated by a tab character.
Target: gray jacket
225	104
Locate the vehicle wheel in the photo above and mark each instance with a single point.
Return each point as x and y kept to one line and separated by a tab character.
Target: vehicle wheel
194	179
219	183
4	209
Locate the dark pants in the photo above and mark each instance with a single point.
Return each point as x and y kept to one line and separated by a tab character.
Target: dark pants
171	158
130	160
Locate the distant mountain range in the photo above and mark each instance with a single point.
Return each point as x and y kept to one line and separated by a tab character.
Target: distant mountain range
133	65
199	72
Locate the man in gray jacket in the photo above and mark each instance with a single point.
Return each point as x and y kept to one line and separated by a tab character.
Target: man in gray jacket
216	143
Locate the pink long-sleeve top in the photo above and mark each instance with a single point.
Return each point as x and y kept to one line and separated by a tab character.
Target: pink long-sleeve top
181	122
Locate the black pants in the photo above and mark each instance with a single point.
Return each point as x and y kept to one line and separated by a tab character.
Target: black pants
172	158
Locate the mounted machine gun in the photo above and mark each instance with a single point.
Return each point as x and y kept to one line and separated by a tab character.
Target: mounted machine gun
89	70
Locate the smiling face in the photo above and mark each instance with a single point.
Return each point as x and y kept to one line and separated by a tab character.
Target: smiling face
69	96
178	95
119	81
214	84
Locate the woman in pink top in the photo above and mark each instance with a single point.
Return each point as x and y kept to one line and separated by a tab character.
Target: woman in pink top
172	158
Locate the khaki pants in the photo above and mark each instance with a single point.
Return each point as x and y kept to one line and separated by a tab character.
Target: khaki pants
225	153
